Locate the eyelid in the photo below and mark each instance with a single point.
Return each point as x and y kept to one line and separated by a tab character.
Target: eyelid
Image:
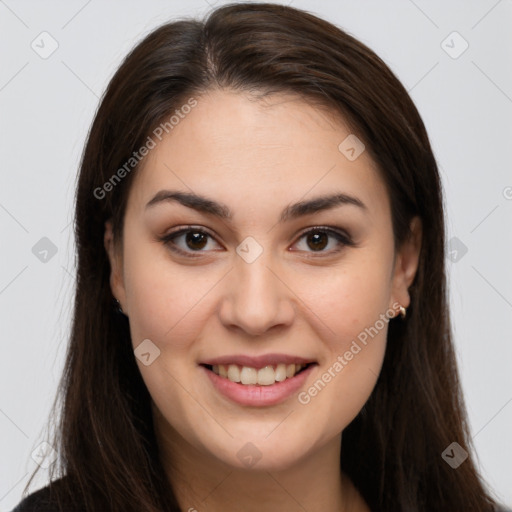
328	229
342	237
188	227
167	239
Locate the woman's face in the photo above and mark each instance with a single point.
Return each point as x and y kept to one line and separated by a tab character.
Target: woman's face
288	259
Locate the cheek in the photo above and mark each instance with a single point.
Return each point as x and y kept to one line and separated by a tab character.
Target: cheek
347	376
165	307
164	300
353	303
348	298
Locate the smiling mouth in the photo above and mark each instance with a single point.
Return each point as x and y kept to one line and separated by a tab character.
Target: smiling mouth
266	376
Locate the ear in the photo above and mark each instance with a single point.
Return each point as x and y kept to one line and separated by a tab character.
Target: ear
116	264
406	265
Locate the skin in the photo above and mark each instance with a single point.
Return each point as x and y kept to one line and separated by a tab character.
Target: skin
257	157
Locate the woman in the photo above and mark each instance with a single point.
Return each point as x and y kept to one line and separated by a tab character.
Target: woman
261	320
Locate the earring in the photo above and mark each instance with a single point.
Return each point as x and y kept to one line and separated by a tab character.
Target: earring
403	312
118	306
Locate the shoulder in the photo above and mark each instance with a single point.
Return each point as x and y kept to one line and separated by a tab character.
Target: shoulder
38	501
43	500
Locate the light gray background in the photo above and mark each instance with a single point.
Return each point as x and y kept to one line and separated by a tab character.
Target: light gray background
46	108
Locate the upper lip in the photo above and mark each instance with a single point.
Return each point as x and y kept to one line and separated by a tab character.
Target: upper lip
256	361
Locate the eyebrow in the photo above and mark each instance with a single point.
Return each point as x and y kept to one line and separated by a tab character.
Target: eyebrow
203	204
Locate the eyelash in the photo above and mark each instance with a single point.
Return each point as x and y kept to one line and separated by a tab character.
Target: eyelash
343	239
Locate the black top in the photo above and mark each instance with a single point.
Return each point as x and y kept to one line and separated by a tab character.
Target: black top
39	501
42	500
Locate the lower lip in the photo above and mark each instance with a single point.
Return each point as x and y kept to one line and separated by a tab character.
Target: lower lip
259	396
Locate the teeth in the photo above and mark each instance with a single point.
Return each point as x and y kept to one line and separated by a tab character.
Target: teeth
264	376
280	372
248	375
233	373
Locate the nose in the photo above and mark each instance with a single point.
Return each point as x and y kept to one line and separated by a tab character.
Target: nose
257	298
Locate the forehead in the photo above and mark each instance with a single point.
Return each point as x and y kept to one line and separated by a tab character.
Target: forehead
241	150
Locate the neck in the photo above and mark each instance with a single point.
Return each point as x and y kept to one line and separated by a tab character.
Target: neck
203	483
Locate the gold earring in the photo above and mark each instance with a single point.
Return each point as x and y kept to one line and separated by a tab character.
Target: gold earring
403	312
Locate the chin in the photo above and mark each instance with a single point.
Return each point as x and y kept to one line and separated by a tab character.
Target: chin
259	454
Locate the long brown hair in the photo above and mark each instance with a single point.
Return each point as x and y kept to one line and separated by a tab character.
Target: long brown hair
392	450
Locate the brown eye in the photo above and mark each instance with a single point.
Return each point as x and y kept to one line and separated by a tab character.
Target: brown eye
196	240
323	241
317	241
189	241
